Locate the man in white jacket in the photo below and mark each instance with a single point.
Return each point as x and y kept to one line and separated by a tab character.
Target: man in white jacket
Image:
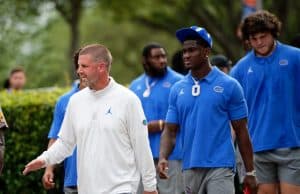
107	123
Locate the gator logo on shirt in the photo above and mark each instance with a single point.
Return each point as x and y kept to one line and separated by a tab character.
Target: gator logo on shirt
144	122
218	89
283	62
167	84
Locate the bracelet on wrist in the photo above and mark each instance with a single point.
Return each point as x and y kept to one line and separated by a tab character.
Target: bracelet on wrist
251	173
161	124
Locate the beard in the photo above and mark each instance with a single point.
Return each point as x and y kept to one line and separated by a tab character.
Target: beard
154	72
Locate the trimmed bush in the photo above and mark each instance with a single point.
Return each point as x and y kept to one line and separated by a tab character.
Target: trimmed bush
29	116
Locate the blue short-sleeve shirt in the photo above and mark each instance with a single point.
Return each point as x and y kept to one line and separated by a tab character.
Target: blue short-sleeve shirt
155	105
205	119
272	89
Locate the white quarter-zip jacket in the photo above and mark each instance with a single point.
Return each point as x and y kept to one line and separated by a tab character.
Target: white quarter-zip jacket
110	131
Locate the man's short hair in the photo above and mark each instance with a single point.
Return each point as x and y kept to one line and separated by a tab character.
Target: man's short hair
147	49
98	52
16	70
75	58
260	21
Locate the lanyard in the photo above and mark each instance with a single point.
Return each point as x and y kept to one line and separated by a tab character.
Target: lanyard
147	92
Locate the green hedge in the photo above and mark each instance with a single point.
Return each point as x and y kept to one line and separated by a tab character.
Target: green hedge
29	115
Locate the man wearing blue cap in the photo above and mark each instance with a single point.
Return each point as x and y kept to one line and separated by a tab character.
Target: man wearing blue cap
202	105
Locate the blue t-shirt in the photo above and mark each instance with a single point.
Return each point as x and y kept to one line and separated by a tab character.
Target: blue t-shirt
155	105
205	119
272	90
58	117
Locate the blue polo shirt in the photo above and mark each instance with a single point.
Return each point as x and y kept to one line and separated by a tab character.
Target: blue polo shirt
156	105
205	119
58	117
272	90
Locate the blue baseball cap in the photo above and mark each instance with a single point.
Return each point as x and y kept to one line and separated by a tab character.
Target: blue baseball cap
194	31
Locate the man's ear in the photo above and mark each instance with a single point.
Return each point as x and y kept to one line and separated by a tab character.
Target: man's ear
207	51
102	66
145	63
144	60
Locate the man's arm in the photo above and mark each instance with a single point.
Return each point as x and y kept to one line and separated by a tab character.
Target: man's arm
62	148
245	147
138	134
167	143
54	155
156	126
48	177
58	116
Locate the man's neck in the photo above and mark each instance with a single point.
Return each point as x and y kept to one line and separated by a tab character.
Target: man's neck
201	72
81	86
101	84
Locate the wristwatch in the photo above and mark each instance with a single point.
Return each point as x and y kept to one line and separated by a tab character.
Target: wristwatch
251	173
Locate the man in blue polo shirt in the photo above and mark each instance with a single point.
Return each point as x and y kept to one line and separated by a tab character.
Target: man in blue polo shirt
201	106
70	179
152	88
269	75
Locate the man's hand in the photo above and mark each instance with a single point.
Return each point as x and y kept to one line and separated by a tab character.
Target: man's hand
250	184
162	168
34	165
48	178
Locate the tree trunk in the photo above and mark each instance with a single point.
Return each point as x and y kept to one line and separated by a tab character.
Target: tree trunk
71	13
74	35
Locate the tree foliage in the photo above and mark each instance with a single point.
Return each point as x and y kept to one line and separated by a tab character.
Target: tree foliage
29	115
220	18
44	48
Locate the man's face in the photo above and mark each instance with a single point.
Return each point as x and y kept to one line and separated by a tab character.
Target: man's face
193	54
262	43
88	70
156	62
17	80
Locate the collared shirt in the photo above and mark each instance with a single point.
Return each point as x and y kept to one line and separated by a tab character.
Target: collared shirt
205	119
272	90
156	104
